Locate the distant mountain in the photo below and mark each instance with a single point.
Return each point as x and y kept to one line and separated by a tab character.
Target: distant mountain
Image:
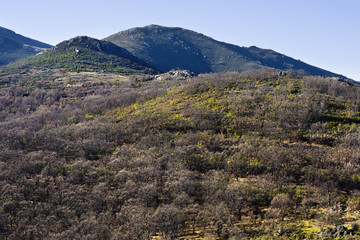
11	50
176	48
21	39
14	46
87	54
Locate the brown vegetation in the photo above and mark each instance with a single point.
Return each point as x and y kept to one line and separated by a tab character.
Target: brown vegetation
228	156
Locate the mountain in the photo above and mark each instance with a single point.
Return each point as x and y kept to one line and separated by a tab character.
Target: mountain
176	48
11	50
14	46
21	39
87	54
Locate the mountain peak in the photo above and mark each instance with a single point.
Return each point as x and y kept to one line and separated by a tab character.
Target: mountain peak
90	43
154	26
80	39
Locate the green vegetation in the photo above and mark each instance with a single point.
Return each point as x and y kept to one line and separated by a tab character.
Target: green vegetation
84	54
218	156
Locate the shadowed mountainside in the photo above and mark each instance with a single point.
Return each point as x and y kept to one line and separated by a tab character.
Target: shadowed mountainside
175	48
21	39
14	46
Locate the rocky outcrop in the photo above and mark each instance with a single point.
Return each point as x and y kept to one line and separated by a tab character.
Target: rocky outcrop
336	232
175	74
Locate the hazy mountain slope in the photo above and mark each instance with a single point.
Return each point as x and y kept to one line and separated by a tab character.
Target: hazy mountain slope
171	48
21	39
11	50
15	46
87	54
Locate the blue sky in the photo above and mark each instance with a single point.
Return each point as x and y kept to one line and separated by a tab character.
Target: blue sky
324	33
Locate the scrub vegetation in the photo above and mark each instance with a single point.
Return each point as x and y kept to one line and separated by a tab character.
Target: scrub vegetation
217	156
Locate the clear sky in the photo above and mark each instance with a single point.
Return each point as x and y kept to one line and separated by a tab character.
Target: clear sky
324	33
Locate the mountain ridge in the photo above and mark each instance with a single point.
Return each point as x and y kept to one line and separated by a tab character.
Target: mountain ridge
173	47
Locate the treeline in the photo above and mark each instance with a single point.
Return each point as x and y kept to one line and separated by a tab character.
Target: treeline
223	156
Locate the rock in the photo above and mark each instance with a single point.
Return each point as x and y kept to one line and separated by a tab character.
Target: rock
327	233
282	73
175	74
339	231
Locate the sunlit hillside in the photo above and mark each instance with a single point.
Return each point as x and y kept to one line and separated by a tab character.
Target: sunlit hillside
219	156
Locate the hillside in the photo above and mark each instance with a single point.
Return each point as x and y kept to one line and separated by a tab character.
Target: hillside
219	156
15	46
176	48
85	54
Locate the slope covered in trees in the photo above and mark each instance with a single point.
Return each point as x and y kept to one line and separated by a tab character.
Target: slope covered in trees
223	156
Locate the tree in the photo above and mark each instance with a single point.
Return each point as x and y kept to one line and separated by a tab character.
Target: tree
235	198
281	205
169	220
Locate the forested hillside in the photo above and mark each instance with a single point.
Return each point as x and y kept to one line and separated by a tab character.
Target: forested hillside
221	156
